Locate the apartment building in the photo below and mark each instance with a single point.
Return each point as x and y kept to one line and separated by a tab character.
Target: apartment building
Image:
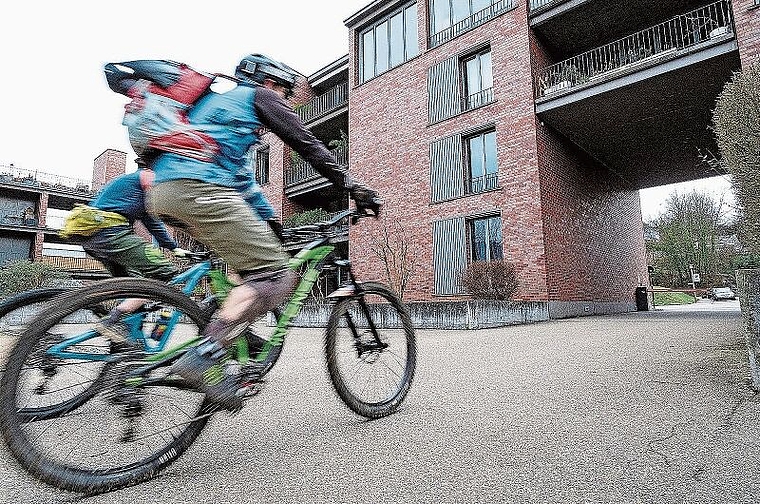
33	206
520	130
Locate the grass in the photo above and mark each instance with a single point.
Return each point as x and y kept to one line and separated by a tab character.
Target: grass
673	298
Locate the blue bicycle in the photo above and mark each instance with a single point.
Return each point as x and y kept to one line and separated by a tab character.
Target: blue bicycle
137	417
68	368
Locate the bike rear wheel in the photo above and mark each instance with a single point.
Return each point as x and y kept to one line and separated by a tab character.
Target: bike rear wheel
59	385
371	370
126	433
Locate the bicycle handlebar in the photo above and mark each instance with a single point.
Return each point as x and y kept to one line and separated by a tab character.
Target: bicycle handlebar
325	226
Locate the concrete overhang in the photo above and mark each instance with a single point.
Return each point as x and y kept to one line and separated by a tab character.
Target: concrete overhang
648	126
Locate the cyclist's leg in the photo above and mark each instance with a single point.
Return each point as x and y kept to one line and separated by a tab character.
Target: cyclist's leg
125	253
222	219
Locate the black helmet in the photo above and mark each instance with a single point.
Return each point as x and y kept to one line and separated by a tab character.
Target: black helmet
257	67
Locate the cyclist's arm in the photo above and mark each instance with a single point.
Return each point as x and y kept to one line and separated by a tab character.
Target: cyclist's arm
159	232
280	118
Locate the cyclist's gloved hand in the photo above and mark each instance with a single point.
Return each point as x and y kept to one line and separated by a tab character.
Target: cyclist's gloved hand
365	198
180	252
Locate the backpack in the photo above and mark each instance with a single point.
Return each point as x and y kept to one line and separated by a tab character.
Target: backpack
85	220
162	93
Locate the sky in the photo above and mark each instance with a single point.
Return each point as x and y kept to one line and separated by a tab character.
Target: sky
57	113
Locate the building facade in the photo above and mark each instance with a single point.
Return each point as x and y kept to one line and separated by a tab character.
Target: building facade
33	206
520	130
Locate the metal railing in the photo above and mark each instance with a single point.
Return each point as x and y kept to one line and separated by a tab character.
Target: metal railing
654	44
480	184
301	171
537	4
11	174
73	263
478	99
471	22
324	103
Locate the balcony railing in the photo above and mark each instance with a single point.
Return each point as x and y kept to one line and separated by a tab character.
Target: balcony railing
73	263
480	184
301	171
324	103
478	99
660	42
9	174
537	4
471	22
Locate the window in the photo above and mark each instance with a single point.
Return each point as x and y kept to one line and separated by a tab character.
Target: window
482	168
449	18
477	80
260	164
485	239
388	43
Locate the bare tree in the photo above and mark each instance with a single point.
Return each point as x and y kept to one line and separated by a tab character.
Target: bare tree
394	251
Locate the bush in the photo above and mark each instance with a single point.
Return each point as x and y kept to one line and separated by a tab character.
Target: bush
736	122
490	280
306	217
20	276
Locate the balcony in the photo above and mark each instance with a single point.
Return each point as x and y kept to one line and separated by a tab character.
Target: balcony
642	105
472	22
301	177
324	104
666	41
40	181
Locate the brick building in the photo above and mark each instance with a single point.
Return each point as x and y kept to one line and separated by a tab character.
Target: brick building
518	129
33	206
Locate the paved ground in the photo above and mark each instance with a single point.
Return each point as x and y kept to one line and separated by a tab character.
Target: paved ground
649	407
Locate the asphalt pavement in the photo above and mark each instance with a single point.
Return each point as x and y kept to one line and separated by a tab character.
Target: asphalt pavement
647	407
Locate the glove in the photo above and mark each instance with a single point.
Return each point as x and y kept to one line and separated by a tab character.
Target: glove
365	198
180	252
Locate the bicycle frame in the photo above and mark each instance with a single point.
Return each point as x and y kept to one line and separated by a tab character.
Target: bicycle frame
189	279
312	255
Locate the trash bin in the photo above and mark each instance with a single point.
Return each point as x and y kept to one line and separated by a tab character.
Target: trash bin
642	300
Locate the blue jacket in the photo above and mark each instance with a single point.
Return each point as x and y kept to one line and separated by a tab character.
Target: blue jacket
231	120
125	196
235	119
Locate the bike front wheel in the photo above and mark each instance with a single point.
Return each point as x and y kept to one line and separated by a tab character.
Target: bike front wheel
138	420
371	350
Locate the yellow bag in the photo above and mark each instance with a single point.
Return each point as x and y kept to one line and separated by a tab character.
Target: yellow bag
85	220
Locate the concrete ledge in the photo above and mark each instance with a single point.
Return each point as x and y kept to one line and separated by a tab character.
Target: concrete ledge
475	314
569	309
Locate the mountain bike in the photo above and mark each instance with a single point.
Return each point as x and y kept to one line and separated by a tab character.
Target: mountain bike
143	417
66	369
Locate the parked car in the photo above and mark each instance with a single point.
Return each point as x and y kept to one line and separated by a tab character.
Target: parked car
717	293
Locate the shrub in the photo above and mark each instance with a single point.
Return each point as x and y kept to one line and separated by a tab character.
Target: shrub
490	280
23	275
736	122
306	217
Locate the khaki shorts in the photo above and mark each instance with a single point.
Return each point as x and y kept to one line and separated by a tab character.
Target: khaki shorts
221	219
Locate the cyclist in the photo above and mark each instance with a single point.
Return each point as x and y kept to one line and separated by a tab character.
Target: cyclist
209	199
105	228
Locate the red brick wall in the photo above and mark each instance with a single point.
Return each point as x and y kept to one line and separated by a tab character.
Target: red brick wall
747	22
107	166
592	226
389	149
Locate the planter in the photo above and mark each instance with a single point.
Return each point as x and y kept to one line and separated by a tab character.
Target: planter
748	287
719	32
